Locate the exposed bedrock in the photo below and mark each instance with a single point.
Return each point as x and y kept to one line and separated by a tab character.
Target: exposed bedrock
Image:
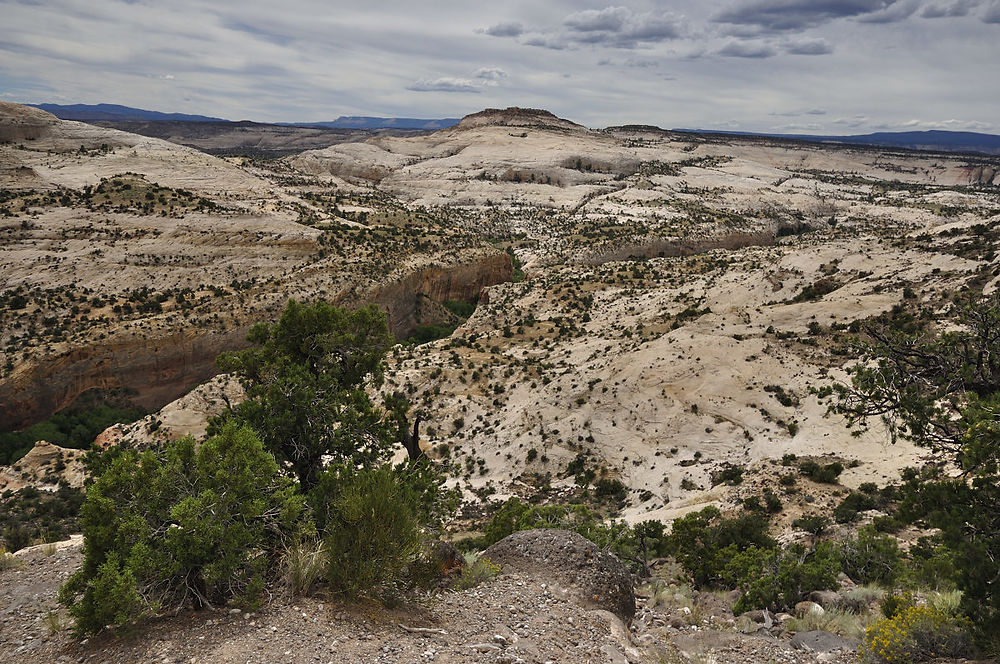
23	123
673	247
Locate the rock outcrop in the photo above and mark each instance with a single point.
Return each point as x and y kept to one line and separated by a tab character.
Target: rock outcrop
44	466
571	563
514	116
23	123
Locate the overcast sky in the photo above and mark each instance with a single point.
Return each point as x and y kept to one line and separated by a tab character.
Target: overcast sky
803	66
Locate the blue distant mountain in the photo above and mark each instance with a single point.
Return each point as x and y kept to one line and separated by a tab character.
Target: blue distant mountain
365	122
934	140
116	113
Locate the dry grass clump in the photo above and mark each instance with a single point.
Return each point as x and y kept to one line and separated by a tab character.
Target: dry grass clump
303	565
476	572
860	599
8	560
837	621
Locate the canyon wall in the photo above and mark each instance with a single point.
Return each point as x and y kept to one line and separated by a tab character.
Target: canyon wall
460	282
154	370
157	369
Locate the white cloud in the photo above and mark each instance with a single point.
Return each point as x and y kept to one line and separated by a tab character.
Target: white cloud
948	125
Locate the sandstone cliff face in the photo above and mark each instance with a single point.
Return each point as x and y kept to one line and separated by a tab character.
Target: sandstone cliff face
156	369
982	174
462	282
160	367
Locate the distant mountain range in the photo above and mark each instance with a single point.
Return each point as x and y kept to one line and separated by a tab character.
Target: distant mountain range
365	122
939	141
934	140
116	113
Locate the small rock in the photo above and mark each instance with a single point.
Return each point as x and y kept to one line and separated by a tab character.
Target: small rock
803	609
828	599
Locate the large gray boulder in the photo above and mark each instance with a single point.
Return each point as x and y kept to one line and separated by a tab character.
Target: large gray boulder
820	641
570	563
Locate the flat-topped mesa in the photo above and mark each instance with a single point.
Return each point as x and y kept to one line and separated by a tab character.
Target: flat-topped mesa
637	128
514	116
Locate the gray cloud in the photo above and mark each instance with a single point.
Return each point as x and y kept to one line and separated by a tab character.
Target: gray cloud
544	41
642	63
795	114
798	127
949	9
610	19
302	61
511	29
737	49
809	47
784	15
445	84
492	74
896	11
612	27
855	121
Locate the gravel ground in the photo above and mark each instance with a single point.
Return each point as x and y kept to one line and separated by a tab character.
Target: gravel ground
512	618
